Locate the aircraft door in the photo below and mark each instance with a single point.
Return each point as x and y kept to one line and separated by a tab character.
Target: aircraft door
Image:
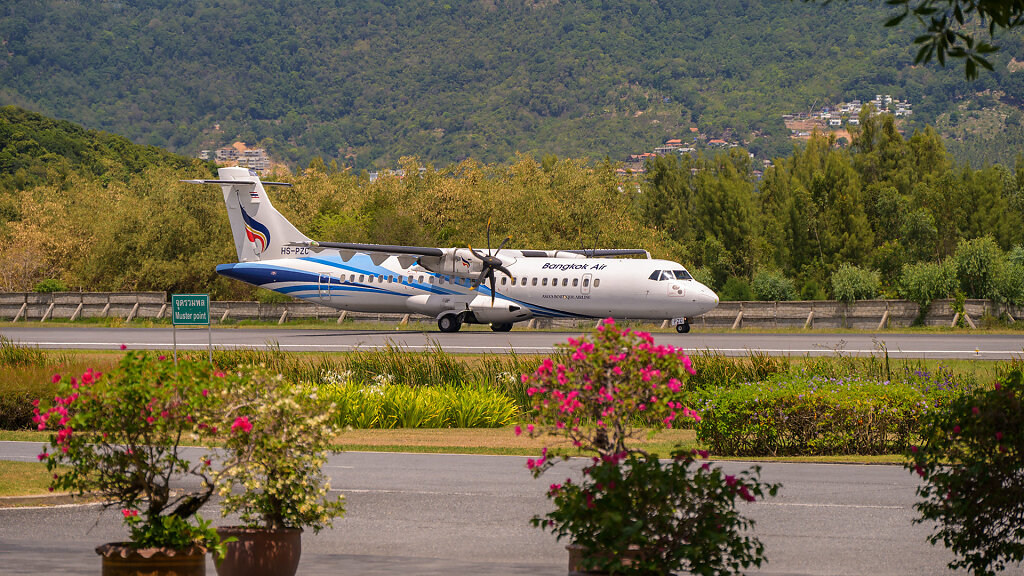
325	287
585	285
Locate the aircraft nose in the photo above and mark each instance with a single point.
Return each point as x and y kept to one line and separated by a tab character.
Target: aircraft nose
707	299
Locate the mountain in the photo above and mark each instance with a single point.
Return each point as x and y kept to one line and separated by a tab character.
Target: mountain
369	81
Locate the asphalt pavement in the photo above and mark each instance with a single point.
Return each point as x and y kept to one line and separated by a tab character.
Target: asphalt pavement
430	514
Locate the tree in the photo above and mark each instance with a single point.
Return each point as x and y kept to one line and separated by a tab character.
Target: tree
947	28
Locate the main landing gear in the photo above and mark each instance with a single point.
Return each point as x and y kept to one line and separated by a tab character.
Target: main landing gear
449	323
683	328
504	327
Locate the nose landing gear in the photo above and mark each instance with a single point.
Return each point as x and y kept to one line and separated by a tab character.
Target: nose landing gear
683	327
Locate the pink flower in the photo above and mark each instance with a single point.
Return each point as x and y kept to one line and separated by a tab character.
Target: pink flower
124	346
161	358
55	379
745	494
241	423
975	410
956	429
129	513
43	456
999	436
205	392
688	365
518	430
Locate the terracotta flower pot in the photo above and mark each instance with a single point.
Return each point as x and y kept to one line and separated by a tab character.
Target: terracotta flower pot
260	551
121	559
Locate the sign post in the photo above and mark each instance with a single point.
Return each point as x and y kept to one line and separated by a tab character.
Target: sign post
191	310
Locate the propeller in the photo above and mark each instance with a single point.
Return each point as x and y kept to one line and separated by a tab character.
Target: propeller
491	262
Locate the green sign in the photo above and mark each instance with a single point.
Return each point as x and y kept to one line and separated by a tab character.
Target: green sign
190	309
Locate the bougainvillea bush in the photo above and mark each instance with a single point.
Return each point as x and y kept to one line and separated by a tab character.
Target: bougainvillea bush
122	435
632	513
677	515
607	389
971	462
277	437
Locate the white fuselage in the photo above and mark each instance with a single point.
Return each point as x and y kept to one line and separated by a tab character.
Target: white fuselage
540	287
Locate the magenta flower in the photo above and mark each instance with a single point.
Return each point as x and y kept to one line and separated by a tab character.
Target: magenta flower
241	423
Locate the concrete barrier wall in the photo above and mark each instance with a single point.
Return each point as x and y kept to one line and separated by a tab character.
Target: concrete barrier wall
867	314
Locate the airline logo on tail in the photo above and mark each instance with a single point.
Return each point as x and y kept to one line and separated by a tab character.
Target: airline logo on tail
256	233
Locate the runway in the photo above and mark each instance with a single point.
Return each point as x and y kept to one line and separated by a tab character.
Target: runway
960	345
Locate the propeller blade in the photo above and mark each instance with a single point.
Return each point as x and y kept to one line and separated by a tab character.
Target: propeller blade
503	242
492	289
504	271
480	278
488	236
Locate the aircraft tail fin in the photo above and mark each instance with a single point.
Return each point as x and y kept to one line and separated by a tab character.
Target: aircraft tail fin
260	231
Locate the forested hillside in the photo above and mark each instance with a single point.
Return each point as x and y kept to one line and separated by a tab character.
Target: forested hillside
887	216
369	81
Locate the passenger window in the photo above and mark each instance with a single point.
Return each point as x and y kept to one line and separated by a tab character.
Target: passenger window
503	280
575	282
351	277
586	282
565	281
597	282
544	282
421	280
361	277
523	283
534	282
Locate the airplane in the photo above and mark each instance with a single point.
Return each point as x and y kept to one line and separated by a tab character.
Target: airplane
455	286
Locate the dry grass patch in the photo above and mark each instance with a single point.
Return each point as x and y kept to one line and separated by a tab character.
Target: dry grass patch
24	478
483	441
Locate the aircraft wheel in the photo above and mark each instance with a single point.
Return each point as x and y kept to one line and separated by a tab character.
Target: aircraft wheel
683	328
505	327
449	323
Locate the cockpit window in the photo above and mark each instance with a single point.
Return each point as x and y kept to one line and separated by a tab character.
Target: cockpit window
683	275
656	275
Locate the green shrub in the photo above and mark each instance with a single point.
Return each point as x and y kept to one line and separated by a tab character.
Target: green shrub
927	281
850	283
811	290
264	296
50	285
736	289
792	415
772	285
979	263
705	276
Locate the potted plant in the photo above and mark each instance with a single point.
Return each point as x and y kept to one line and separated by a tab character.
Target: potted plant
120	435
632	513
276	444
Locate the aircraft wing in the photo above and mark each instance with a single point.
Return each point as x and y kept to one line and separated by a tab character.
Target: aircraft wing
378	252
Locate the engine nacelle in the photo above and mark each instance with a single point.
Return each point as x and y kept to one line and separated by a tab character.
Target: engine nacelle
457	262
501	312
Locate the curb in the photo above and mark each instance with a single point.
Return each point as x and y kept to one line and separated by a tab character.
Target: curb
39	500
